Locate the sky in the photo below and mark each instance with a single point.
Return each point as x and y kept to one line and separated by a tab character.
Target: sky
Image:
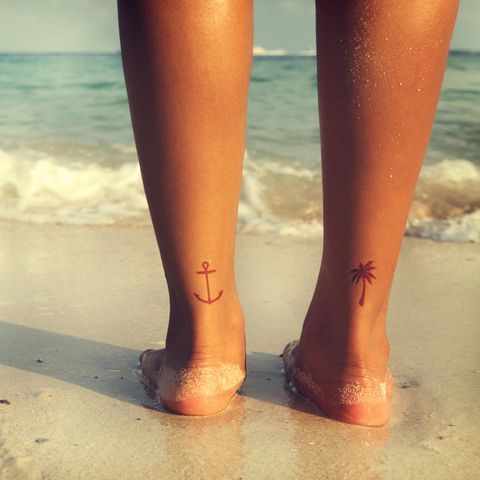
91	25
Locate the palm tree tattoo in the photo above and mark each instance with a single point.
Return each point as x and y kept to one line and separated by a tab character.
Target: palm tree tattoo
363	273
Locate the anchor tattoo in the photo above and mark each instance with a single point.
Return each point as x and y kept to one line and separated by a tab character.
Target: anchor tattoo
363	272
206	272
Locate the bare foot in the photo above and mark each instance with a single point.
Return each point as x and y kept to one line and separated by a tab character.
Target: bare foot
348	393
195	377
193	390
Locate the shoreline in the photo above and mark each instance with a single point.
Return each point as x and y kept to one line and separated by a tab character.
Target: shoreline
21	225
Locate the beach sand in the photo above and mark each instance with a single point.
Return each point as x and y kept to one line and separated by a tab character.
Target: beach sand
77	305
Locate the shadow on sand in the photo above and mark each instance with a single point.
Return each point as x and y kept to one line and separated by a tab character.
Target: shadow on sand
110	369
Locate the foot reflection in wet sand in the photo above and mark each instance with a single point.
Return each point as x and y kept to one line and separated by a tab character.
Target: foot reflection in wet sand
326	448
267	432
203	447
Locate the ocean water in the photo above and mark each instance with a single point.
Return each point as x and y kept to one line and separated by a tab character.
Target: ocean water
67	153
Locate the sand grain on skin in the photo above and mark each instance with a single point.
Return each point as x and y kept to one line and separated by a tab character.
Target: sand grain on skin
184	384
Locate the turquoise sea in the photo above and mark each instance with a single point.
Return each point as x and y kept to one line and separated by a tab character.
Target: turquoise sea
67	153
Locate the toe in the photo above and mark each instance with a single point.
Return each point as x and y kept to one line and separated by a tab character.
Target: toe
143	355
150	362
288	356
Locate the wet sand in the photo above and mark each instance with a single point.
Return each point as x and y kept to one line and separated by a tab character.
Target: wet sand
77	305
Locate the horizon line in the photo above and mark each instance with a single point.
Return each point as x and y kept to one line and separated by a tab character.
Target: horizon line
267	52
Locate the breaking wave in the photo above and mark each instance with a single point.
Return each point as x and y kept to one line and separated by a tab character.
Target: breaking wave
278	197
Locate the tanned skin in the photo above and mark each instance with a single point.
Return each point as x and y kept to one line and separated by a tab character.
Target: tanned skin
380	67
187	66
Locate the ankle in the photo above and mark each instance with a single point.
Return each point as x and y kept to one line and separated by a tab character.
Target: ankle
346	344
206	334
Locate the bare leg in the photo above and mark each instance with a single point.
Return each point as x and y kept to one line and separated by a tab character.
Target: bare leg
187	66
380	68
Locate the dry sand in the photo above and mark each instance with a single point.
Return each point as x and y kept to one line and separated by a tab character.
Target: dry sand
77	305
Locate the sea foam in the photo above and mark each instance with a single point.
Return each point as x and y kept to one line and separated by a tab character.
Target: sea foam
278	197
42	189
